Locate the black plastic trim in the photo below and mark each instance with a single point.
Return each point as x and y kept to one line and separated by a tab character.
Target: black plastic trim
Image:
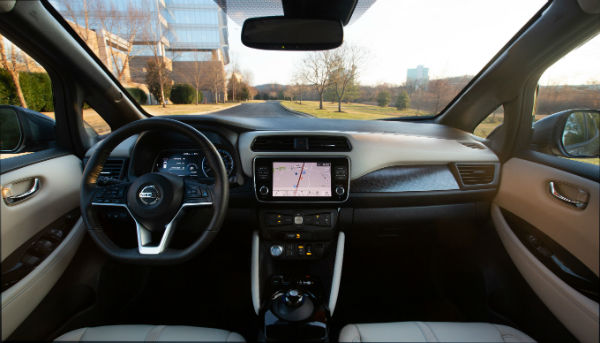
24	259
586	170
556	258
385	219
398	179
16	162
419	198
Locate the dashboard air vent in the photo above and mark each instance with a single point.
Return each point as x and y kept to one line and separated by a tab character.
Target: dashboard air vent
301	143
273	143
476	174
113	169
328	143
473	145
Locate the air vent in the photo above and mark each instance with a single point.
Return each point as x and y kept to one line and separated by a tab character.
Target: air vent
273	143
476	174
328	143
301	143
473	145
113	169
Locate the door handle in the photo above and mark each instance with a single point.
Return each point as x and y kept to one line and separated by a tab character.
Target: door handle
10	199
555	192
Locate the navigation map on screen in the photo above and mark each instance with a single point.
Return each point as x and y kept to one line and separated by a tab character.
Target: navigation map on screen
301	179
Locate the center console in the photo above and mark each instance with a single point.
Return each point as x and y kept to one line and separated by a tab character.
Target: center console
298	250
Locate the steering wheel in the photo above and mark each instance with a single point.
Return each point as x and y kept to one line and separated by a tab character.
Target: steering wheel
155	201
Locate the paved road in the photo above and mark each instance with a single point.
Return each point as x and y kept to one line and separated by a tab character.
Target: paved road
269	109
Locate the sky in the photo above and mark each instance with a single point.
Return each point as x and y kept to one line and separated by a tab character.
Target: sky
451	38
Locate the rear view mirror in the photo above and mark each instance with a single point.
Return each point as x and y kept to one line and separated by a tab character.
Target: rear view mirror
570	133
282	33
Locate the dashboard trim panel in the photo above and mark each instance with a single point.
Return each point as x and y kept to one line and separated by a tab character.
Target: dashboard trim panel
407	179
373	151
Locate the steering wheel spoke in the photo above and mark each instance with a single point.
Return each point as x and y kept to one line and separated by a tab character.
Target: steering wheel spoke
144	239
110	195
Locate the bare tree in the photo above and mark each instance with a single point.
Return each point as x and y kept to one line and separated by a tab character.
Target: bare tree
203	75
344	70
252	92
75	10
10	63
151	35
316	71
438	90
214	78
298	85
289	93
411	86
248	77
120	27
197	74
234	80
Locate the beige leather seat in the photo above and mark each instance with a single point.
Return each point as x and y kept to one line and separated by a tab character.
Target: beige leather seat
431	332
150	333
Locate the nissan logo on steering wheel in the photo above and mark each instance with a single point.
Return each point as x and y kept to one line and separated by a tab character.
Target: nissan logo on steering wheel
149	195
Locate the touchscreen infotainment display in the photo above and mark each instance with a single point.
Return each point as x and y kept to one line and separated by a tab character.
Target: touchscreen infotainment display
301	179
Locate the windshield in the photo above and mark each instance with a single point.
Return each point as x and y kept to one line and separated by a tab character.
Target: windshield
399	58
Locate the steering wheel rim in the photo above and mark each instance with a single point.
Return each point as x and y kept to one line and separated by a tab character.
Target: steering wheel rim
218	196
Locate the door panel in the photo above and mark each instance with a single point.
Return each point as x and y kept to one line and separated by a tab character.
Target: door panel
524	191
56	195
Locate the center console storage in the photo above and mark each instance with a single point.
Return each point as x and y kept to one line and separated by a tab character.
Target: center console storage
298	260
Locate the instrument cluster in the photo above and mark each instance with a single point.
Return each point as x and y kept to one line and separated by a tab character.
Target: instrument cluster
190	162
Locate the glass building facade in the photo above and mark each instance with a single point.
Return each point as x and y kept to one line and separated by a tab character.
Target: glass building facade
181	30
196	29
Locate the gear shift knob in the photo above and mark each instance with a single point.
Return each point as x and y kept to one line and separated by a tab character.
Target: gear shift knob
294	298
294	305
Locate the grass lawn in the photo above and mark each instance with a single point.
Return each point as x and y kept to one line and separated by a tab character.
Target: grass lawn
158	110
99	125
349	111
593	160
484	129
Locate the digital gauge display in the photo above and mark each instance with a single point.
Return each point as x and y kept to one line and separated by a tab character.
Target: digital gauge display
186	163
190	163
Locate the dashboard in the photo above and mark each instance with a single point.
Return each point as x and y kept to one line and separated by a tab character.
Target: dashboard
379	164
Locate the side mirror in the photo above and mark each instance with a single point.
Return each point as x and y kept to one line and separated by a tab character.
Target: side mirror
570	133
23	130
11	134
283	33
